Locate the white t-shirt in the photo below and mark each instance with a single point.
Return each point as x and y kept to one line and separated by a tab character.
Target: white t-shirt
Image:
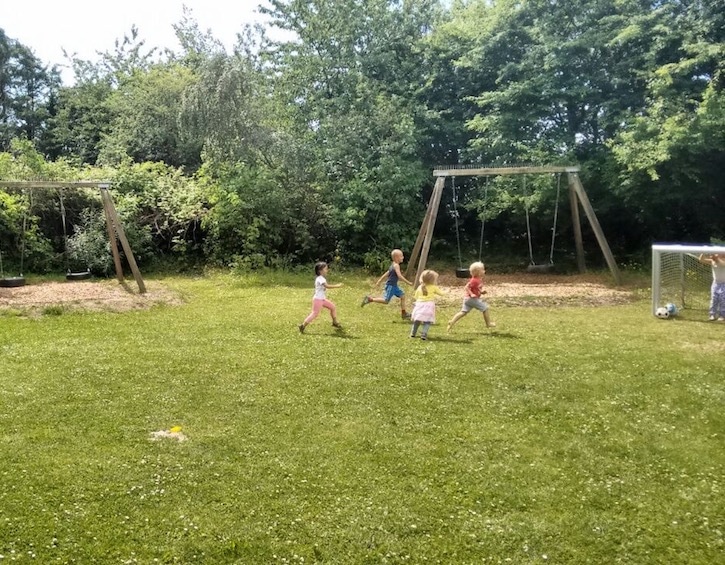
718	274
320	283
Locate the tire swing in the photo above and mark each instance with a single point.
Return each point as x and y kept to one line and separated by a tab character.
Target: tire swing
14	282
462	272
70	275
533	267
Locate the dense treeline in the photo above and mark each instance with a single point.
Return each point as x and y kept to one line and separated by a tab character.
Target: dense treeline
322	145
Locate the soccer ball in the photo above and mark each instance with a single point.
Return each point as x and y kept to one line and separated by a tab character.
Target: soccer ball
662	312
671	308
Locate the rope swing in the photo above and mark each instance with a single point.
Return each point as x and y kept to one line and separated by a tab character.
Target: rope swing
483	219
455	218
533	266
71	276
462	272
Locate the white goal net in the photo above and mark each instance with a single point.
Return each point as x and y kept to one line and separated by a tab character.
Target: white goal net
679	278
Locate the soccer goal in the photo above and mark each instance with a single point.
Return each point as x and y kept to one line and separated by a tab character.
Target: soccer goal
679	278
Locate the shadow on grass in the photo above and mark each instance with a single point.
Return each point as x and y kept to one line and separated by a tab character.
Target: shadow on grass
491	335
340	334
502	335
446	339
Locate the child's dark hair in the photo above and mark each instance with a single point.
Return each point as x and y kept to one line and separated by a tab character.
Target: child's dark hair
319	266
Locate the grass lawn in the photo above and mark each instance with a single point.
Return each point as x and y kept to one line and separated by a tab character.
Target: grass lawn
565	435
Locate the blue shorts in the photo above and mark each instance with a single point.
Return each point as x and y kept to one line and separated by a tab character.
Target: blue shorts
473	303
392	290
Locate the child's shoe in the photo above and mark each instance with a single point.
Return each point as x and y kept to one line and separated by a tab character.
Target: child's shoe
337	325
449	328
424	337
302	328
365	300
712	318
405	315
491	325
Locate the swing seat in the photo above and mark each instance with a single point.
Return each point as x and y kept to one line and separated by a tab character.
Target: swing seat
543	268
462	273
78	276
12	282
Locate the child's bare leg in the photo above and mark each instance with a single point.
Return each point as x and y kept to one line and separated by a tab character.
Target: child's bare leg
487	319
377	299
455	319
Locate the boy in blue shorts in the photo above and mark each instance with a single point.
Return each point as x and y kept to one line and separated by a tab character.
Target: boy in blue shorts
393	275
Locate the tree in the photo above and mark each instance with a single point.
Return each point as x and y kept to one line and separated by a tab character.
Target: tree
347	83
145	126
27	89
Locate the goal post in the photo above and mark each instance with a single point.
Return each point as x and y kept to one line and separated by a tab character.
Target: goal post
679	278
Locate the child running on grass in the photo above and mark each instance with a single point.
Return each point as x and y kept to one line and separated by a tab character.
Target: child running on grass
717	292
319	300
424	310
472	299
393	275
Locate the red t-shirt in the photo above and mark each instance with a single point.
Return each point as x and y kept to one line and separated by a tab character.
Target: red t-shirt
474	288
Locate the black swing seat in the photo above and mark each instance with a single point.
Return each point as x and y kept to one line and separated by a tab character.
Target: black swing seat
543	268
462	273
78	276
12	282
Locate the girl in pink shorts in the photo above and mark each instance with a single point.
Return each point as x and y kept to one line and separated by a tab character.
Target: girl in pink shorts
319	300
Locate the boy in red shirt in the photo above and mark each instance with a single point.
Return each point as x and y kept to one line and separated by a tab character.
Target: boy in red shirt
472	300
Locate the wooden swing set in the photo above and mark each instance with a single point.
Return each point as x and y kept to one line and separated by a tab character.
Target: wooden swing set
116	233
577	197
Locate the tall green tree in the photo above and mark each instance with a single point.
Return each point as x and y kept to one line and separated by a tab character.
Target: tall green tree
27	92
349	80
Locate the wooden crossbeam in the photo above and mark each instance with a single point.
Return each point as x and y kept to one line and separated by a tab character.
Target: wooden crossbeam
51	184
502	171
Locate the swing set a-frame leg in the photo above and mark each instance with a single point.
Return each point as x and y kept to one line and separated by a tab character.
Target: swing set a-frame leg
115	229
577	189
425	235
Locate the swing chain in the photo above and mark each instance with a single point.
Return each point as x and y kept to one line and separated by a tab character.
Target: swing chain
483	218
528	223
455	218
556	215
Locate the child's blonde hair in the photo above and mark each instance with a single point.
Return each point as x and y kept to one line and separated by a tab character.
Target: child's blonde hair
427	277
396	253
477	267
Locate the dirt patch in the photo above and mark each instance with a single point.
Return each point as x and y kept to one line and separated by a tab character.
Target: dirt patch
528	289
98	295
523	289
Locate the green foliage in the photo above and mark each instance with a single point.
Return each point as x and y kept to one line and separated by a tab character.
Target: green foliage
253	215
83	117
146	108
88	247
27	93
164	206
320	144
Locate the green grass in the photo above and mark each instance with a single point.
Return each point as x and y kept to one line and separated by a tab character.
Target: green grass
566	435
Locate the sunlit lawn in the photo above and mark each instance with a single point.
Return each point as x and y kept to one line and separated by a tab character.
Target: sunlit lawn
566	435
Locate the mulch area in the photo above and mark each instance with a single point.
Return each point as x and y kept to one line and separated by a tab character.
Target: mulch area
523	289
92	295
532	289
